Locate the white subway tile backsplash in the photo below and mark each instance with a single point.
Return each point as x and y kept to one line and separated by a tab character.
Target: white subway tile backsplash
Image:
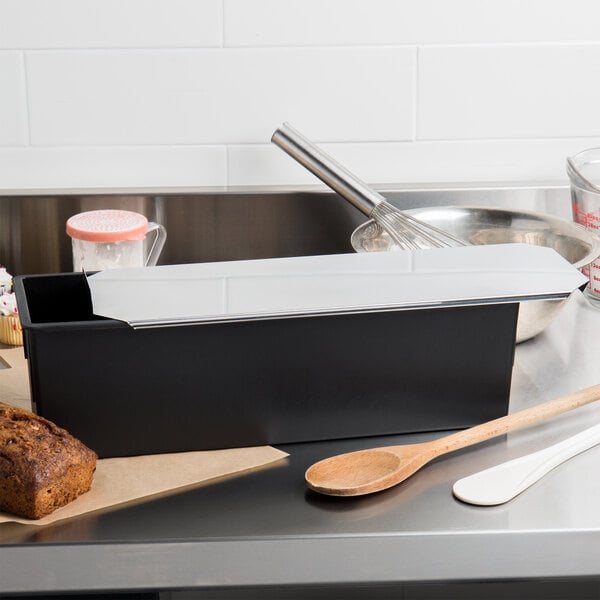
416	162
516	91
246	165
109	23
142	93
83	167
250	164
13	101
343	22
220	96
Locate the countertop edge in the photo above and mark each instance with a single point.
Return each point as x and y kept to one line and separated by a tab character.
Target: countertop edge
407	558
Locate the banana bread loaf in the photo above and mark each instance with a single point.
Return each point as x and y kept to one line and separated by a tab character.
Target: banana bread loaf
42	467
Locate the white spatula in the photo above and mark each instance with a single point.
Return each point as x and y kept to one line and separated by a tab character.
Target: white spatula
503	482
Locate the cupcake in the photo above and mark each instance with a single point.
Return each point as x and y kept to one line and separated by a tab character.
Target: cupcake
10	324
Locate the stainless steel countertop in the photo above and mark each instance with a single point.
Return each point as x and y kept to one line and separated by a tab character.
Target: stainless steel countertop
266	529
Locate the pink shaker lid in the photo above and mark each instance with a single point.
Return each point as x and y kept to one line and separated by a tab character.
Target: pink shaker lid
107	226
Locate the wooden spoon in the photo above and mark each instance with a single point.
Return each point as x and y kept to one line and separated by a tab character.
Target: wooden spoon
376	469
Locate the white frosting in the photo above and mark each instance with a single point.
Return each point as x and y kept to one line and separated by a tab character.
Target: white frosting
5	280
8	305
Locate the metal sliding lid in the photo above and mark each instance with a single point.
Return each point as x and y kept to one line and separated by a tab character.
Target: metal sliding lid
333	284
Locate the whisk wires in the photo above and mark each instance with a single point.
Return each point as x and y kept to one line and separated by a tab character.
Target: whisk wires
410	233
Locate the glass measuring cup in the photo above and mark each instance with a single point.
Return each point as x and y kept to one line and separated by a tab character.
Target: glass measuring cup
113	239
583	170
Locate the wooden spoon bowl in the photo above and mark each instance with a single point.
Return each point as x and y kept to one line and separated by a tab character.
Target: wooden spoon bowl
366	471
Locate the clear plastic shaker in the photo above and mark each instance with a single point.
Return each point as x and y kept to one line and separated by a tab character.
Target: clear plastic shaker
584	175
113	239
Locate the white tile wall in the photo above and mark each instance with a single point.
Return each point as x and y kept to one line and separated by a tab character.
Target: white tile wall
188	92
122	166
13	100
516	91
446	161
219	96
110	23
377	22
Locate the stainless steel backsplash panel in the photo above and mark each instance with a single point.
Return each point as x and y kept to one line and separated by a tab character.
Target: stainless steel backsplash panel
229	224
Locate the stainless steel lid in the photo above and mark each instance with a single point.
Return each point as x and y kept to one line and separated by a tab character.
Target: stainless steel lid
333	284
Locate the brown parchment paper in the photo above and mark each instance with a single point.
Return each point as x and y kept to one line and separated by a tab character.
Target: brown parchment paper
122	480
14	377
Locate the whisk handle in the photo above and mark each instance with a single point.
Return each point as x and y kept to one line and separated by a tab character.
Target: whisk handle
330	172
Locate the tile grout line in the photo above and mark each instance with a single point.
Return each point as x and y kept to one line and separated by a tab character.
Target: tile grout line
416	96
302	46
227	157
353	142
222	17
26	98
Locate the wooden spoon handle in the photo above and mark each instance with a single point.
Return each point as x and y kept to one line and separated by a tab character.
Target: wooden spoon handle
490	429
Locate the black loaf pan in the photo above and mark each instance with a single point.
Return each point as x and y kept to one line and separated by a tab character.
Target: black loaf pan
195	387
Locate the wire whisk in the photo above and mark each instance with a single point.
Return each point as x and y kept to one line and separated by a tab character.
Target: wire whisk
407	232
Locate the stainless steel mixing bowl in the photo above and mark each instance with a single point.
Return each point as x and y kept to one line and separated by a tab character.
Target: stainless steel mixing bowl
479	225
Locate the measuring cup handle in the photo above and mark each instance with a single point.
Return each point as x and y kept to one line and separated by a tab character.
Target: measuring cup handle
159	241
